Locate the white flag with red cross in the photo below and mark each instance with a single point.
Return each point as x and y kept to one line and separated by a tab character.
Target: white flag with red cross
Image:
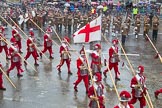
90	32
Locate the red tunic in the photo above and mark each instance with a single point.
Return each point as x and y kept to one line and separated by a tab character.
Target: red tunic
47	41
100	95
135	81
80	62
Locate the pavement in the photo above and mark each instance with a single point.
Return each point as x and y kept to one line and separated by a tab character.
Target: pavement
44	88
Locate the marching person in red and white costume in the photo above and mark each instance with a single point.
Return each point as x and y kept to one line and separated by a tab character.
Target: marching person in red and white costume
124	98
1	79
157	92
3	44
138	88
113	59
15	58
31	32
96	59
47	44
99	88
16	35
82	71
49	28
65	56
31	49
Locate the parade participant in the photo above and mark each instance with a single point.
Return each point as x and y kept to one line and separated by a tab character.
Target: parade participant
3	44
124	32
99	88
155	28
96	59
31	32
66	22
124	98
113	60
31	49
157	92
15	58
76	19
104	25
47	43
69	23
138	88
146	27
65	56
82	71
137	27
1	79
16	35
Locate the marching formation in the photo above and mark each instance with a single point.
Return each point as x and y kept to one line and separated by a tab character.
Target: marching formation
83	25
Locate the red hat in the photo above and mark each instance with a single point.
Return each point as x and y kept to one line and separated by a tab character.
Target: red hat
82	50
98	46
14	31
97	77
124	96
2	29
140	69
31	33
115	41
12	40
49	30
66	39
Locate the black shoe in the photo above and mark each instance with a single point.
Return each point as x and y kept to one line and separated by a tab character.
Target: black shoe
75	88
25	63
36	64
19	75
86	92
117	79
70	73
105	75
40	55
7	58
8	75
4	89
51	57
155	94
20	52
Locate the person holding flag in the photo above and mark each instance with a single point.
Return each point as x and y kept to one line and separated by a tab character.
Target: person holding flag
15	58
138	87
96	59
31	49
82	71
47	44
65	55
99	95
113	60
